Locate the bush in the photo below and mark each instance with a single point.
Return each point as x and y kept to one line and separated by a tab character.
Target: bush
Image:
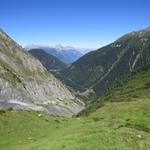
2	111
10	109
96	119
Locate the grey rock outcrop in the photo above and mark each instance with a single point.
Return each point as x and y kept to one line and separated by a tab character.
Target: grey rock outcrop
26	84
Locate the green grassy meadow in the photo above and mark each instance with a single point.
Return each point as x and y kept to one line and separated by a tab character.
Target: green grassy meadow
116	126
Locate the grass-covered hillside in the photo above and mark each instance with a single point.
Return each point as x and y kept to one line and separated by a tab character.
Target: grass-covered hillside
121	123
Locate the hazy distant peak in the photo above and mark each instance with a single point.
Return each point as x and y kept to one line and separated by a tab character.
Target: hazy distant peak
67	54
58	47
34	46
64	48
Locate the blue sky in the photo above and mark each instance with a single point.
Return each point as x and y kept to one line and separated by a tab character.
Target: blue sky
79	23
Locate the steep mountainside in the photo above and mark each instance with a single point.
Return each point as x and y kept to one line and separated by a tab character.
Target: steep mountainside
66	54
48	61
25	83
98	69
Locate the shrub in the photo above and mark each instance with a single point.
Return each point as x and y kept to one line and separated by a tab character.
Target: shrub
2	111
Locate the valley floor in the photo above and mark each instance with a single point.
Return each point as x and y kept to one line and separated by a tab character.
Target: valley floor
115	126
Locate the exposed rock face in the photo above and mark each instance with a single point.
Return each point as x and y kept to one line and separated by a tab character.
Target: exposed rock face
25	83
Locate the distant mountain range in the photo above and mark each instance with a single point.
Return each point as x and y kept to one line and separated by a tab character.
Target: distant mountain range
98	69
66	54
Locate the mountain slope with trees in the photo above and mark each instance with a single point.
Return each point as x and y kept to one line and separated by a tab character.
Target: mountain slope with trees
98	69
49	62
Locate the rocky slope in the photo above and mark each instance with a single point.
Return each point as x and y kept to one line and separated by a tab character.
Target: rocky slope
25	83
97	70
51	63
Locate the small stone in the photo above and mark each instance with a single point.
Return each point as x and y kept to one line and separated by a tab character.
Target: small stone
139	136
39	115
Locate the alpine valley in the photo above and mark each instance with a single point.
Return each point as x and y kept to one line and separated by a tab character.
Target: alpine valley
100	102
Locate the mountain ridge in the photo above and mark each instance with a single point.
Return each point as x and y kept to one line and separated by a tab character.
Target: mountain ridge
50	62
100	68
66	54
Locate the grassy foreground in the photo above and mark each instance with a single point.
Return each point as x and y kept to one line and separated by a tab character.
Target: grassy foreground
116	126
